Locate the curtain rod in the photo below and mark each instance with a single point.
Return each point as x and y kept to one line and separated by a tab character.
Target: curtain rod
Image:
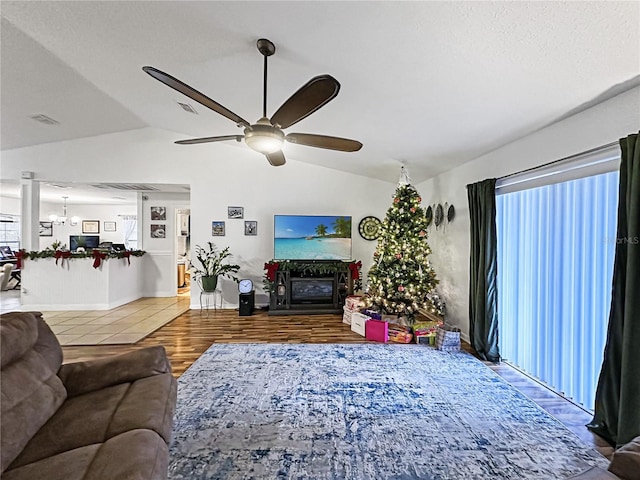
570	157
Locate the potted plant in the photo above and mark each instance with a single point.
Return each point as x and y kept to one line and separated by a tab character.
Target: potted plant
213	266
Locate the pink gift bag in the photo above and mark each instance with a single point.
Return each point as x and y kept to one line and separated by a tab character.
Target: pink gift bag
377	330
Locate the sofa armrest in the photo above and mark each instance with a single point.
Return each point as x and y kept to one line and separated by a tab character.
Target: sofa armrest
625	462
83	377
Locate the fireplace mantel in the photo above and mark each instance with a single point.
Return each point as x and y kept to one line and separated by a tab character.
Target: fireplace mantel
300	291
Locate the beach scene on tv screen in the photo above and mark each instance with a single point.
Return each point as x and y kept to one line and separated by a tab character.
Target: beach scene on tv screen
312	237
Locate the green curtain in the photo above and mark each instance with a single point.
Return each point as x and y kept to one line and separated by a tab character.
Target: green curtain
483	291
617	409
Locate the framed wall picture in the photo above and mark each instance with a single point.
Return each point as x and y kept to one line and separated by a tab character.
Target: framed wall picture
109	226
250	227
90	226
46	229
235	212
158	231
217	229
158	213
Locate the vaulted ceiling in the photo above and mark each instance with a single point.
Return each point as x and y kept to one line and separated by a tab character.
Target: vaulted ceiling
428	84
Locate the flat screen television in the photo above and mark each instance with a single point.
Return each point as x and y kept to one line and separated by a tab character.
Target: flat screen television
85	241
312	237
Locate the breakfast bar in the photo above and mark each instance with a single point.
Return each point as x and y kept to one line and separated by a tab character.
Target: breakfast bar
50	284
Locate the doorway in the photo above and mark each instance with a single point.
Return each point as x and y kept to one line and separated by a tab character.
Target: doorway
183	248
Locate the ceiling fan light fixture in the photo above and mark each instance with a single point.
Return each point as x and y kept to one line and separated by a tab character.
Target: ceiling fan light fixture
266	136
263	137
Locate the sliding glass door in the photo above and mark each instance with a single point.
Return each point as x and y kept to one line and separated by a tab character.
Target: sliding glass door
556	247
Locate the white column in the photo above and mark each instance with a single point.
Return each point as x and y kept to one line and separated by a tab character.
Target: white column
140	219
29	213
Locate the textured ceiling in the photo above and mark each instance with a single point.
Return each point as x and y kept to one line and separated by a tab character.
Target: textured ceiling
429	84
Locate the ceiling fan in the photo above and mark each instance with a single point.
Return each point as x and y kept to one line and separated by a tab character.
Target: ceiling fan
266	135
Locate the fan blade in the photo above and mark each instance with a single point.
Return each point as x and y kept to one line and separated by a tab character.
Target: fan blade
276	158
193	141
313	95
324	141
192	93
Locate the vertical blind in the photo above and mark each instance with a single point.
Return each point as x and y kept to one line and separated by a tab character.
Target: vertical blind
556	246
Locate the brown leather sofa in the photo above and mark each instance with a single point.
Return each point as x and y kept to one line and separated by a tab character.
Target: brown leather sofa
109	418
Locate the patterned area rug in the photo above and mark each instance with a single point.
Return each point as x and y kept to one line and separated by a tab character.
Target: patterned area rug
365	411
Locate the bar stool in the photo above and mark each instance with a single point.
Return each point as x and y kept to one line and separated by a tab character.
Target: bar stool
17	276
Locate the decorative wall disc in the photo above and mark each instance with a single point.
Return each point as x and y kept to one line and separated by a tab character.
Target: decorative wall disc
370	228
439	215
429	215
451	213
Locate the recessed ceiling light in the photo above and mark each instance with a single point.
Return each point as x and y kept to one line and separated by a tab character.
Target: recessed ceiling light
119	198
40	117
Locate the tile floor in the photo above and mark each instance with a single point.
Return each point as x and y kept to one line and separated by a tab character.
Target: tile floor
123	325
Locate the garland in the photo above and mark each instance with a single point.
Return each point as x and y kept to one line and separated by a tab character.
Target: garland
311	267
97	255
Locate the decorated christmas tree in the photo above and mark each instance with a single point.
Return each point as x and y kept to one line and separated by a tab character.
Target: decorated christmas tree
401	280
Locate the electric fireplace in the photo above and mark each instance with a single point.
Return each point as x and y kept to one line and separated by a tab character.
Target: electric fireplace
311	290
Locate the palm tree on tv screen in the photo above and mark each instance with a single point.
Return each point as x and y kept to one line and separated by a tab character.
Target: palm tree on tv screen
321	230
342	227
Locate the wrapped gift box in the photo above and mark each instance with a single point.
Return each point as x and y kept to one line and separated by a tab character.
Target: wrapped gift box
426	339
426	328
399	333
377	330
425	331
358	322
353	303
346	316
448	339
373	314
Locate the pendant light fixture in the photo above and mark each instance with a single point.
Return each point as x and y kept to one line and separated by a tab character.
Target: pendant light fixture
61	220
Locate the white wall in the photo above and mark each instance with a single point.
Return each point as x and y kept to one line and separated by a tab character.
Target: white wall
220	175
599	125
102	213
160	262
263	191
9	205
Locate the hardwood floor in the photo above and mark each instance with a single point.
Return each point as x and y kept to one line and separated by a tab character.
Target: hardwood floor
189	335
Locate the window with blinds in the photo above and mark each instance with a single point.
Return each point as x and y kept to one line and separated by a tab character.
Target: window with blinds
10	231
556	246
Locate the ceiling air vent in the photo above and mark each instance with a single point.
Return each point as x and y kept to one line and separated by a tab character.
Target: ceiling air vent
44	119
137	187
187	108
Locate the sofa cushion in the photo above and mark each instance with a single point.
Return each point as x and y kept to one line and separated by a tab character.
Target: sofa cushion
138	454
19	335
31	392
625	462
149	403
96	416
84	377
